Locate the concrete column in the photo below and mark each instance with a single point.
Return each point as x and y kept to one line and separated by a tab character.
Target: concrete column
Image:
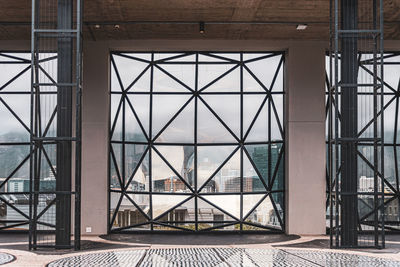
95	121
305	137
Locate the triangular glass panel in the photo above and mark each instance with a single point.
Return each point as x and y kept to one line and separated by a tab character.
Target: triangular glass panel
251	104
129	214
20	84
250	201
51	152
15	57
133	130
162	82
19	104
259	156
228	56
128	69
185	73
209	158
208	58
208	75
210	215
181	129
46	211
276	134
279	80
210	129
118	133
142	84
228	178
391	77
163	203
365	162
181	159
264	69
19	181
114	199
115	183
191	57
264	214
278	170
117	150
10	158
133	157
115	85
228	203
184	212
389	119
229	112
251	181
164	108
259	130
279	201
115	101
141	105
139	56
249	56
167	56
164	178
48	104
250	84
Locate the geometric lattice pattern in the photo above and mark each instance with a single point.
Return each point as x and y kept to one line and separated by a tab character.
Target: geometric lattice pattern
197	141
221	257
391	142
6	258
15	106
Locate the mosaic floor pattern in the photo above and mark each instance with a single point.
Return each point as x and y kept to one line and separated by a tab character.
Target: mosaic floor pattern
5	258
222	257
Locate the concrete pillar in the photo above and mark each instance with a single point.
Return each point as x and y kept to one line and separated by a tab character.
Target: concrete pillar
305	137
95	121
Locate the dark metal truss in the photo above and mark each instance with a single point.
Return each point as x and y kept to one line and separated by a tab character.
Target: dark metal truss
152	142
391	82
15	96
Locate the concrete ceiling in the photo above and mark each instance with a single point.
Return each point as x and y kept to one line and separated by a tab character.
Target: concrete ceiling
283	16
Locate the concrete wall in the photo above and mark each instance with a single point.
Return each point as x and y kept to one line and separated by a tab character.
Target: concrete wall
305	157
305	124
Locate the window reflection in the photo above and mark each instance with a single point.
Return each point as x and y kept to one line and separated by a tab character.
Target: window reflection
176	160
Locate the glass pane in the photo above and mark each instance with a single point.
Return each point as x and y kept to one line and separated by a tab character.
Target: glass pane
163	203
229	111
181	129
181	159
259	130
164	178
264	69
164	108
228	177
210	129
11	128
209	159
128	69
219	78
228	203
136	165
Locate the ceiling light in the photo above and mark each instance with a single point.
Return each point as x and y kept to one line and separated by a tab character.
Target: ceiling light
116	26
301	27
201	27
97	26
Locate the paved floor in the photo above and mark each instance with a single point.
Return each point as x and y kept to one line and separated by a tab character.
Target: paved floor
212	250
221	257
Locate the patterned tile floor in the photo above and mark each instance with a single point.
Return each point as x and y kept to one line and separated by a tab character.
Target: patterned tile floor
5	258
222	257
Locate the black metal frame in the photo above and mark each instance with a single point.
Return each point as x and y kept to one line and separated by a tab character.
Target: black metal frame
56	30
354	37
194	94
15	58
391	101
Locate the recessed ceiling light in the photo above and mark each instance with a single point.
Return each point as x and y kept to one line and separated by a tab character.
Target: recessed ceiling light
97	26
116	26
301	27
